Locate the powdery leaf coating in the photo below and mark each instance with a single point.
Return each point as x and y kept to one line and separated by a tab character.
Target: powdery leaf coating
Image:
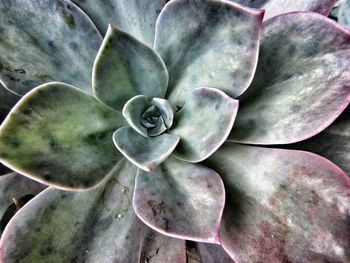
132	112
301	84
203	124
124	68
344	13
136	17
333	143
14	185
60	136
158	248
283	205
145	152
207	44
212	253
276	7
98	225
181	200
62	50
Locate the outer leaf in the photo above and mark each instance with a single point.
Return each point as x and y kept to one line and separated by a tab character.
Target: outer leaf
207	44
301	84
344	13
283	205
158	248
181	199
277	7
333	143
60	136
42	41
138	18
204	123
211	253
145	152
124	68
14	185
93	226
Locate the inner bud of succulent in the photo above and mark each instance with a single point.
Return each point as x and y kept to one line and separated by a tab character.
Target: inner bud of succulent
150	119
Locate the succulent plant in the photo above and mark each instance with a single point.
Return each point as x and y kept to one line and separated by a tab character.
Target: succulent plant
170	143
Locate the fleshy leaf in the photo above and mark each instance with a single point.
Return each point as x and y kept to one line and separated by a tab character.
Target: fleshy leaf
98	225
212	253
181	199
203	124
60	136
344	13
14	186
145	152
132	112
158	129
136	17
124	68
165	110
283	205
44	41
301	84
158	248
333	143
276	7
207	44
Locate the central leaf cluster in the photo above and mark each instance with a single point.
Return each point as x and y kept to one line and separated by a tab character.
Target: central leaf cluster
148	119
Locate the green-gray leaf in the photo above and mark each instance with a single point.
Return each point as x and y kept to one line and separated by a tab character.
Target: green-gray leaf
44	41
207	44
124	68
145	152
203	124
60	136
136	17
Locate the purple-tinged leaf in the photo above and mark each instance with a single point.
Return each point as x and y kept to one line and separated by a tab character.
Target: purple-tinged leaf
212	253
181	199
61	136
124	68
42	41
276	7
283	205
144	152
207	44
302	82
203	123
137	17
333	143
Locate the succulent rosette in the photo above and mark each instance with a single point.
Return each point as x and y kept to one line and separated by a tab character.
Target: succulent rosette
169	144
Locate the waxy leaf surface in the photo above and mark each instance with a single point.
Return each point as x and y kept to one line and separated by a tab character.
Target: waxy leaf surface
344	13
203	124
124	68
145	152
283	205
98	225
181	199
301	84
60	136
276	7
212	253
136	17
42	41
333	143
207	44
